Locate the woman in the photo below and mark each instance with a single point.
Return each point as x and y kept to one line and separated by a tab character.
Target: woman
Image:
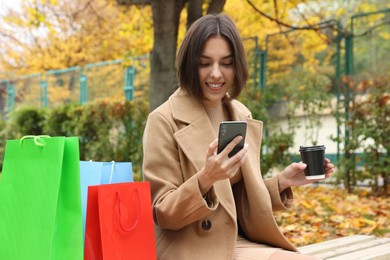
207	205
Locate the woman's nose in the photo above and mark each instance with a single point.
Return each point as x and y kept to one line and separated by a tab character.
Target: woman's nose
216	72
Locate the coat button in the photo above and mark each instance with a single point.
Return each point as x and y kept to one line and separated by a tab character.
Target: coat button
206	224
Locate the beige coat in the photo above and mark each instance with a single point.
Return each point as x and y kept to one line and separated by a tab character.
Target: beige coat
187	226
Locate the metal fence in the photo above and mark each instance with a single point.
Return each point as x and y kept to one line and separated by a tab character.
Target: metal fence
114	79
367	67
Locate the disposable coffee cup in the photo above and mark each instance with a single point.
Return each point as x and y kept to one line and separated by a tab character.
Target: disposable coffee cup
314	158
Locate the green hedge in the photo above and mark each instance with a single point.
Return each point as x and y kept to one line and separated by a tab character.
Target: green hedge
108	130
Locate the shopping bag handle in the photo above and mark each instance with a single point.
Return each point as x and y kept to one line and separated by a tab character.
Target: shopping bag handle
112	171
37	139
120	213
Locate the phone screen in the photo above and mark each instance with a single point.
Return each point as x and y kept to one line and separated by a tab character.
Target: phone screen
228	130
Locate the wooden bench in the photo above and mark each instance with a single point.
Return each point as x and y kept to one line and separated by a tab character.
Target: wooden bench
350	248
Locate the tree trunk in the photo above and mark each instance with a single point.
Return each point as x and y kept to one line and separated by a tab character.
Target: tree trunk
194	11
163	81
216	6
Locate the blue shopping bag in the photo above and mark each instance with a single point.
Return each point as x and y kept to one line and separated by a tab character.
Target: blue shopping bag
96	173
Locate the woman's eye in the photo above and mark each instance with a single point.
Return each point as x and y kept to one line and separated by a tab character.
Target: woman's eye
227	62
203	64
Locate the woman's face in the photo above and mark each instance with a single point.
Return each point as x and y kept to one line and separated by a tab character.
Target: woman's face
216	69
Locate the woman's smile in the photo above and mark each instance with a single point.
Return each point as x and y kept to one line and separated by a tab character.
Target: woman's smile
216	69
215	86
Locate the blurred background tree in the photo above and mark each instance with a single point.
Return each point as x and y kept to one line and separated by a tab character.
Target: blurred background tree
46	35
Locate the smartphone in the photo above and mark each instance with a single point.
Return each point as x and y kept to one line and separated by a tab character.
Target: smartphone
228	130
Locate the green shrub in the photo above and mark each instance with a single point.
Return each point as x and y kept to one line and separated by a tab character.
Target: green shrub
107	130
25	121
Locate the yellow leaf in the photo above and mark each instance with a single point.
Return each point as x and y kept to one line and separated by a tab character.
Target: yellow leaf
385	35
340	12
290	227
337	218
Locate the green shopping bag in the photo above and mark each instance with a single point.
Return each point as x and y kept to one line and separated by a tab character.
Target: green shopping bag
40	201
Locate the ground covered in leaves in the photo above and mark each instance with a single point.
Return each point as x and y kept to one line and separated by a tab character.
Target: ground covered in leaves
324	213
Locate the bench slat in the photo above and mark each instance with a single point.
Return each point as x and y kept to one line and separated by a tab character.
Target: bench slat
357	248
380	252
350	248
333	244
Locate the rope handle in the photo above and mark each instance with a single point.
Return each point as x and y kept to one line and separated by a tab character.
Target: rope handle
38	139
120	212
112	171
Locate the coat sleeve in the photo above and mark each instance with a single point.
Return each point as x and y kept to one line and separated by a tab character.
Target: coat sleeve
280	200
176	202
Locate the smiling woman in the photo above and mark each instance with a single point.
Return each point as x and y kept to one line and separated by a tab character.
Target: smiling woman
200	197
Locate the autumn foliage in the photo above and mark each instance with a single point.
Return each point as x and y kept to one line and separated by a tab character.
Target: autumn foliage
324	213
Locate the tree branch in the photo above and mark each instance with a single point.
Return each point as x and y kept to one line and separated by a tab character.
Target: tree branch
276	9
7	34
330	24
371	29
320	33
310	27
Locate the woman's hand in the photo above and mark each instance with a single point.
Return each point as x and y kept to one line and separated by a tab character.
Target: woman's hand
294	175
220	166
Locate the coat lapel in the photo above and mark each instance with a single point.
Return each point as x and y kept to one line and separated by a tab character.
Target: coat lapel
251	168
195	133
253	136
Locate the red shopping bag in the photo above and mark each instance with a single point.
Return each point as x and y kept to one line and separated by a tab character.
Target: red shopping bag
119	222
